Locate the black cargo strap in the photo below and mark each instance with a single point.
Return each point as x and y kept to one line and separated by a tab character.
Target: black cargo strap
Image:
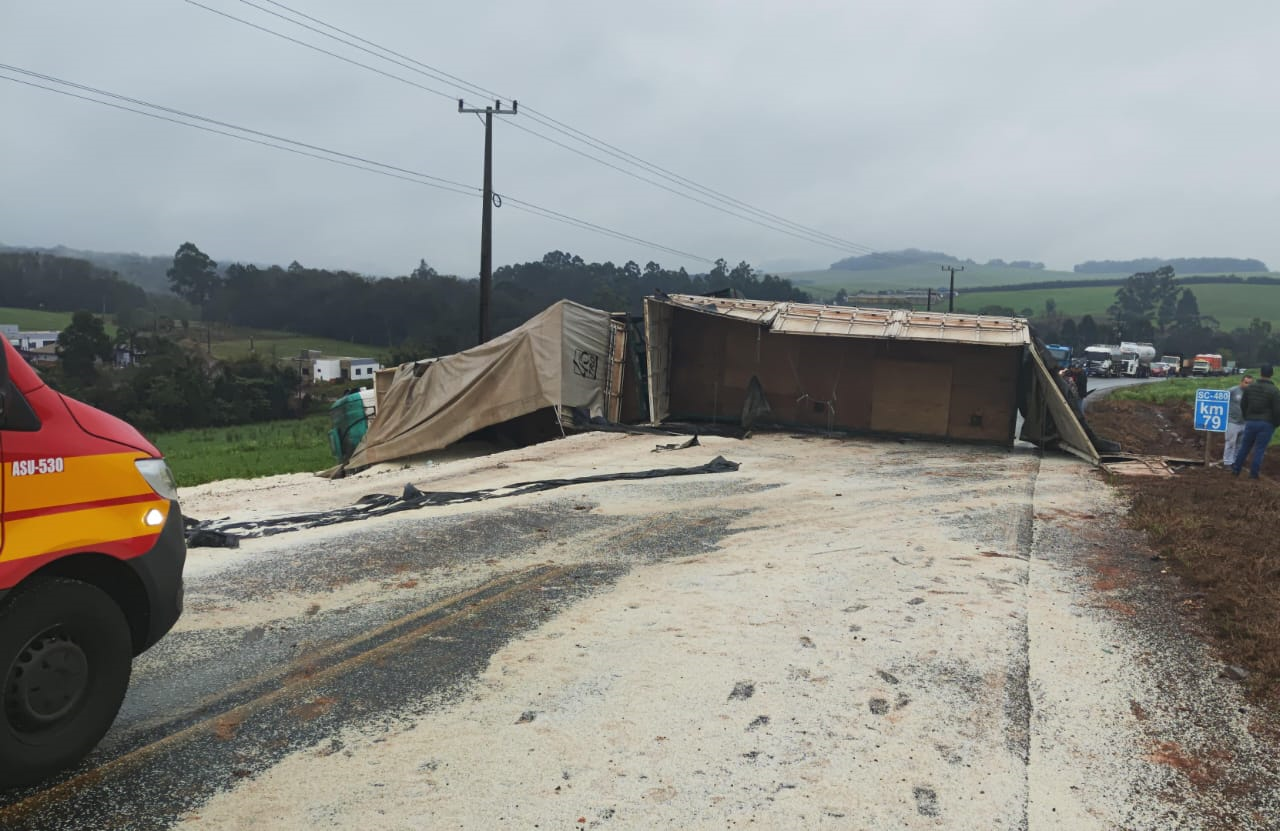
227	534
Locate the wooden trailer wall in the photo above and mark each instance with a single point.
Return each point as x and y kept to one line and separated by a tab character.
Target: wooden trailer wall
911	387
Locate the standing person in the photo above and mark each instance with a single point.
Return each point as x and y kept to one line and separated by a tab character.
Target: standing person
1082	382
1260	406
1235	422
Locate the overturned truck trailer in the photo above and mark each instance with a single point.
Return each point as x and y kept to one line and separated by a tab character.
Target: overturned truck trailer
836	368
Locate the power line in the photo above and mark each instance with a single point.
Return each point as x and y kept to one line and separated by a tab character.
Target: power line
228	125
804	235
323	51
237	136
762	218
572	132
315	152
681	194
667	174
550	214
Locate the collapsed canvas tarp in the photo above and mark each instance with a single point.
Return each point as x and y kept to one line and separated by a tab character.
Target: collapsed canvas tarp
559	358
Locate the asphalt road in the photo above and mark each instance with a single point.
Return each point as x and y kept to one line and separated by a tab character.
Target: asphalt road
1099	384
856	633
210	706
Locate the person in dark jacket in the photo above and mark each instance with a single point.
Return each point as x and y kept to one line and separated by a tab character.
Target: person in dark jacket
1260	406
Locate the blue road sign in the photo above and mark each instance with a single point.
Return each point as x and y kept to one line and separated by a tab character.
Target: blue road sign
1211	410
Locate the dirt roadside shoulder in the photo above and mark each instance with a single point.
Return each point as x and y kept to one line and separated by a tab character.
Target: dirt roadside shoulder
1215	532
1132	725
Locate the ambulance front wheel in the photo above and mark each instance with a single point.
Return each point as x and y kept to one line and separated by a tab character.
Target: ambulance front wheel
65	659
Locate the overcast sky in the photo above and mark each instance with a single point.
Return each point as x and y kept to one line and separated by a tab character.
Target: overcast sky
1055	130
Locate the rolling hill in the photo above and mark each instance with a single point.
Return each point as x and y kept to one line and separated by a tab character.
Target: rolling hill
825	283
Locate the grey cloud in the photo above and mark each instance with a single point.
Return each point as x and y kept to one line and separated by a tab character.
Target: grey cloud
1057	131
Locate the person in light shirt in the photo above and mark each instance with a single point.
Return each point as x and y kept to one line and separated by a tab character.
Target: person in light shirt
1235	422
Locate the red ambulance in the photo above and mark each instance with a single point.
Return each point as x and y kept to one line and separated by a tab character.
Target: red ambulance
91	555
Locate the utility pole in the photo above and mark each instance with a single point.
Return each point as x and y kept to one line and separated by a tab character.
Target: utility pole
928	301
486	215
951	297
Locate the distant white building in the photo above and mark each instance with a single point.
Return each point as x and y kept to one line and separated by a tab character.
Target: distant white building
358	369
320	370
31	341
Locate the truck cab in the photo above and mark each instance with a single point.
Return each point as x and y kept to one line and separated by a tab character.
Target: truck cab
1102	360
1137	359
92	548
1060	353
1207	364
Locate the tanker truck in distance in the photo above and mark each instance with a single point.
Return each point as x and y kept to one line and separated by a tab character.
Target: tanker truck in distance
1136	359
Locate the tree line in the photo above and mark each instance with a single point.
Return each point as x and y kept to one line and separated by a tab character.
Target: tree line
31	280
148	377
1208	265
915	256
431	313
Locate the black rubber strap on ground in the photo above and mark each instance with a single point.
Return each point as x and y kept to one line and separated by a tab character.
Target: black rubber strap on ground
226	534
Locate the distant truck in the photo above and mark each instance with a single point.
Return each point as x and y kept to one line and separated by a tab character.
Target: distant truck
1136	359
1060	353
1102	360
1173	365
1207	364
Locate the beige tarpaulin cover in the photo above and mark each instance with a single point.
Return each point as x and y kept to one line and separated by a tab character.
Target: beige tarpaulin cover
558	358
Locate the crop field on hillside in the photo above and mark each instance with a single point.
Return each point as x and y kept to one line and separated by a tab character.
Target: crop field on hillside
1232	304
35	319
238	342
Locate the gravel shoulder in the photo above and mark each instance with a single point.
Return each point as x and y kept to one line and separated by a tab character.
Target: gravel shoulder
891	634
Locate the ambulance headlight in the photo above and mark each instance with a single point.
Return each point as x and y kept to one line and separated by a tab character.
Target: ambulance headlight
159	477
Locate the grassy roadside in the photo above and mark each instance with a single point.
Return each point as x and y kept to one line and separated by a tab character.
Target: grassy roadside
247	451
1174	389
1181	391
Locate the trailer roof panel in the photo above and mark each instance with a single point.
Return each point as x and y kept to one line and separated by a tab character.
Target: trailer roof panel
855	322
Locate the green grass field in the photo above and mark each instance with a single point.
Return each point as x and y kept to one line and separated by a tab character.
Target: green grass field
35	320
247	451
1232	304
1174	389
236	342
